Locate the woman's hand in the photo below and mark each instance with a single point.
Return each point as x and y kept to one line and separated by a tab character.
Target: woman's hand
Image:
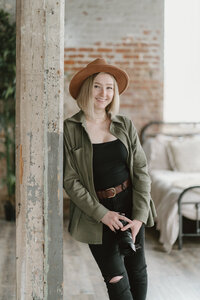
112	220
135	226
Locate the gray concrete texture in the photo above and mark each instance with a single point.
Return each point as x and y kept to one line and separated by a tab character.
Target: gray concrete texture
39	146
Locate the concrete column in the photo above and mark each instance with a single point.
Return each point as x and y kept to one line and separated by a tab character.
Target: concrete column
39	128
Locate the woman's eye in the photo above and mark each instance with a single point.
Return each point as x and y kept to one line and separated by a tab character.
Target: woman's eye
110	88
96	86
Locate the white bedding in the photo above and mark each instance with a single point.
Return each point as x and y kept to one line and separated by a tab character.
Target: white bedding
166	188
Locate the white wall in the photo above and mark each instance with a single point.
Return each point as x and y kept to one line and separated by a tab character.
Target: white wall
182	60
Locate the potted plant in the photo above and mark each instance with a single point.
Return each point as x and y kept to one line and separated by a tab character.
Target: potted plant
7	108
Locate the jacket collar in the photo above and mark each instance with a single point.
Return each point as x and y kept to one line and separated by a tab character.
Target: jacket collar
80	118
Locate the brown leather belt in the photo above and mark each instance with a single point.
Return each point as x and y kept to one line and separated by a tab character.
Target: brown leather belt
113	191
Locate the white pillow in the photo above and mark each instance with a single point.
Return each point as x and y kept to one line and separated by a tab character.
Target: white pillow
184	154
156	152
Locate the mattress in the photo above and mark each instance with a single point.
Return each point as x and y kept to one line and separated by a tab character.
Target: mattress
166	188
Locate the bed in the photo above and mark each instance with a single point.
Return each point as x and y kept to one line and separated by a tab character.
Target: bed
173	154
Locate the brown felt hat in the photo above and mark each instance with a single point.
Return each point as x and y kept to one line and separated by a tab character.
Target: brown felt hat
97	66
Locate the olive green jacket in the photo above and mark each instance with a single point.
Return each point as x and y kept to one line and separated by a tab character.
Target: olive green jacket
85	209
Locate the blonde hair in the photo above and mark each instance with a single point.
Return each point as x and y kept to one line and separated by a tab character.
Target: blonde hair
85	101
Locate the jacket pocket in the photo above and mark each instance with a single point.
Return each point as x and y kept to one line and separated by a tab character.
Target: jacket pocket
88	219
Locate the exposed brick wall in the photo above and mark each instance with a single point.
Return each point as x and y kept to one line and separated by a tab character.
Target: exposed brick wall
128	34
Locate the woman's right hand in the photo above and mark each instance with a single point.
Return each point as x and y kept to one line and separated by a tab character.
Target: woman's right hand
112	220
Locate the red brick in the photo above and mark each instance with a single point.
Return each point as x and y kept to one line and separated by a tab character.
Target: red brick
141	50
76	69
129	44
69	62
86	49
122	63
70	49
83	62
142	45
126	105
104	50
122	50
97	43
142	63
74	56
146	32
93	55
131	56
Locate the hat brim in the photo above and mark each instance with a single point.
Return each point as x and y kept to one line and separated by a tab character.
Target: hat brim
120	76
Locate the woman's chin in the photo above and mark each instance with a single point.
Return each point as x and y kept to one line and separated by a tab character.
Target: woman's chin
101	105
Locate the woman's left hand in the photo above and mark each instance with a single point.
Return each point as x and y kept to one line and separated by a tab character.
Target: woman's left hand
135	226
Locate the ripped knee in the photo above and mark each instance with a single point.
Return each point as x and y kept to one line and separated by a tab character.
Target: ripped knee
115	279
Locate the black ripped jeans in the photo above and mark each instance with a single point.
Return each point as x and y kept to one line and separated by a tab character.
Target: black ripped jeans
133	284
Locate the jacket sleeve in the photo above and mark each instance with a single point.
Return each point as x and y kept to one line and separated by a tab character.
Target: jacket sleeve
140	177
75	189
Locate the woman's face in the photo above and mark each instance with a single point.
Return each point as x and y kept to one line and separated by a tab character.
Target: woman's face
102	91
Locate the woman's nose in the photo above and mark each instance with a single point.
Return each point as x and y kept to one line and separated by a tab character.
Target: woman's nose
103	92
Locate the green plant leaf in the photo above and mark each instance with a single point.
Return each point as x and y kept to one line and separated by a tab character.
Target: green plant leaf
2	154
7	97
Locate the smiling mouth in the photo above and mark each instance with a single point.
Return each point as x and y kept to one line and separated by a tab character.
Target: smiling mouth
101	100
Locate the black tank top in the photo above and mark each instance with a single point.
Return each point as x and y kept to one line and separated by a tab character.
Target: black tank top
109	164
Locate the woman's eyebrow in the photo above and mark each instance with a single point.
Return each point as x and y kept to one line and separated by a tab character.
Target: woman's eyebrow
101	83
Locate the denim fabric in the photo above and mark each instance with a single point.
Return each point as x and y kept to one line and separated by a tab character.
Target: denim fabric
133	285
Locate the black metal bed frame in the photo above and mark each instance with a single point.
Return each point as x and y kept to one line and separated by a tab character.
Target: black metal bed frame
177	125
143	136
197	206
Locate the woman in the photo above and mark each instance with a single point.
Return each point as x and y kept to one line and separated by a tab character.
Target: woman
106	178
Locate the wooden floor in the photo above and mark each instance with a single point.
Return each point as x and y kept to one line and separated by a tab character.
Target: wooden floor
174	276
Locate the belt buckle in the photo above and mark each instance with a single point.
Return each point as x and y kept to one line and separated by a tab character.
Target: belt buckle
114	192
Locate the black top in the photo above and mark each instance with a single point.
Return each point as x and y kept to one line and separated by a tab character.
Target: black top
109	164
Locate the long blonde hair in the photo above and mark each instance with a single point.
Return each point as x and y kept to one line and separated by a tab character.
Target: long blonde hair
85	101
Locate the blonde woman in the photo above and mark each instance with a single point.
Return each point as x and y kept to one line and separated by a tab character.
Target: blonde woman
106	178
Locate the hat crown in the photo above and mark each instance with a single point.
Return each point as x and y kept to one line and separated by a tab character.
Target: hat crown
98	61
